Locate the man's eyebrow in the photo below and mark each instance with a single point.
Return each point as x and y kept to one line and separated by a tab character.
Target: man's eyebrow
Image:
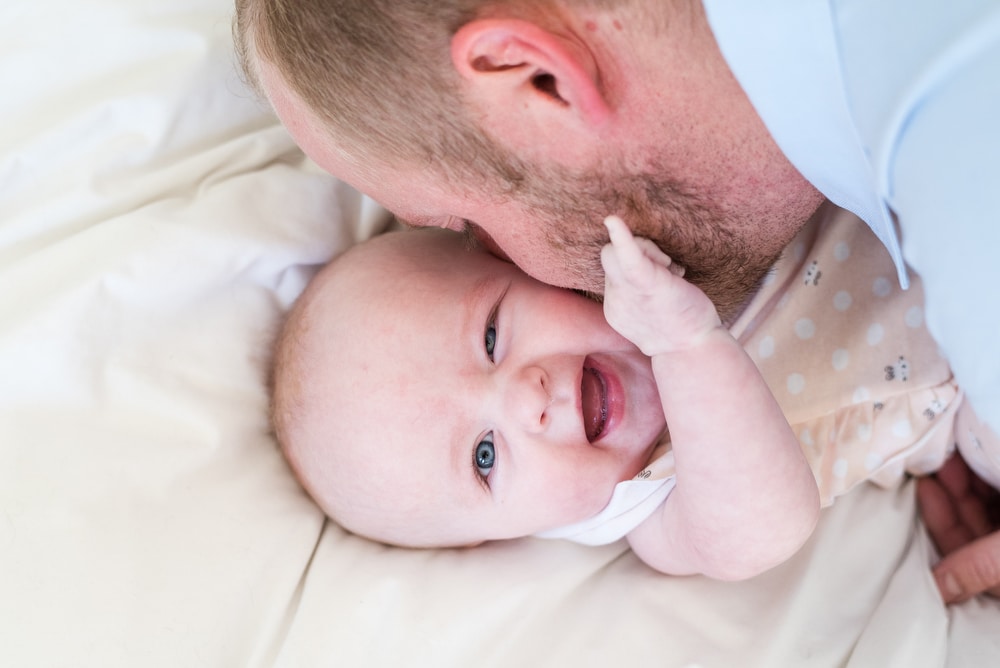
414	221
468	230
471	240
418	220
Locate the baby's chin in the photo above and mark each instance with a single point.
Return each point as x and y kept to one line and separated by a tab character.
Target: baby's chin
642	456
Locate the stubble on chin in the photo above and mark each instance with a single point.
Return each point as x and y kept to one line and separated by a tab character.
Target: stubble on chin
730	281
724	263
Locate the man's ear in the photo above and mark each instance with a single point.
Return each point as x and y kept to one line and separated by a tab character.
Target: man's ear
517	64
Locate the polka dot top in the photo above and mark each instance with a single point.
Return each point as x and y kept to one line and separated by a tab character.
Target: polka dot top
849	359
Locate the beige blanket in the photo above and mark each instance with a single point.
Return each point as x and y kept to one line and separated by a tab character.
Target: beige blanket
155	223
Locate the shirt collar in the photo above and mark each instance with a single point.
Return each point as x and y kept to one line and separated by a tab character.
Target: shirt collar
784	54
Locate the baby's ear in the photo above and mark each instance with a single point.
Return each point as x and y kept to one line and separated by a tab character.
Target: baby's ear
517	66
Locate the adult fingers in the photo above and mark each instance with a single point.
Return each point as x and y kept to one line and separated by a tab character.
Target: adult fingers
968	496
954	475
970	570
940	516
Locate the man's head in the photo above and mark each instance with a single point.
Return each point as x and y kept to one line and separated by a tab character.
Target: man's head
431	395
532	121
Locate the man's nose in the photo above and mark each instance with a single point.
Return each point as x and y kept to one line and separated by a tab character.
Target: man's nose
528	398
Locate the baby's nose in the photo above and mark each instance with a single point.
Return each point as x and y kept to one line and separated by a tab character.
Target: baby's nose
529	398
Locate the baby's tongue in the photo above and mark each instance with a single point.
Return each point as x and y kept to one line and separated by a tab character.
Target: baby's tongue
595	411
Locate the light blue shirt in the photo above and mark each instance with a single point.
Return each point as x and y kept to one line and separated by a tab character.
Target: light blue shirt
894	105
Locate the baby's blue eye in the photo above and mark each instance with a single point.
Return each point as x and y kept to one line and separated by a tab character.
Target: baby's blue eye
485	455
490	338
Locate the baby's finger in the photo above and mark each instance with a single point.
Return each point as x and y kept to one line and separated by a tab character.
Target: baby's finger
617	229
632	260
656	254
609	261
621	237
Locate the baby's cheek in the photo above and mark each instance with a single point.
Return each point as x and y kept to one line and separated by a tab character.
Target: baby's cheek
577	484
589	495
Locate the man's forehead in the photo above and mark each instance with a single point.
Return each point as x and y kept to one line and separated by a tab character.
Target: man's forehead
312	134
417	194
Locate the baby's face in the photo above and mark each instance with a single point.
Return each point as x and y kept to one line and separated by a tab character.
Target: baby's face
479	402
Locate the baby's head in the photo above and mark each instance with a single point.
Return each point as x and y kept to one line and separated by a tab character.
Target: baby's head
428	395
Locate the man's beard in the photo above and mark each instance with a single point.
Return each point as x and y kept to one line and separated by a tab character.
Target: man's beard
716	249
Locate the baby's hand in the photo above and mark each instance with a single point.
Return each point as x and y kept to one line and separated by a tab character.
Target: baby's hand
645	297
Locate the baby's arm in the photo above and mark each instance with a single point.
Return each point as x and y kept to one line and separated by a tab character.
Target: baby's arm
745	498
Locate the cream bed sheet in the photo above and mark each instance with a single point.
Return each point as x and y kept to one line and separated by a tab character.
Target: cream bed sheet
155	223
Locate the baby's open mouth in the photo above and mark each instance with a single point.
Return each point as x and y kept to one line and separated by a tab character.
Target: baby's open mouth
594	403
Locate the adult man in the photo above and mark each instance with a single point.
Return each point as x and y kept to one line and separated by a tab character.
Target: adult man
716	130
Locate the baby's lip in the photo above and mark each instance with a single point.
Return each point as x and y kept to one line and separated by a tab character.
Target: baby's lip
593	402
602	397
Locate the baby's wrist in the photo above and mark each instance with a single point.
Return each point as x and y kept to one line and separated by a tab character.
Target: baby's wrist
710	336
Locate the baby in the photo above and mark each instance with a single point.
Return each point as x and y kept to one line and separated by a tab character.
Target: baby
430	395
